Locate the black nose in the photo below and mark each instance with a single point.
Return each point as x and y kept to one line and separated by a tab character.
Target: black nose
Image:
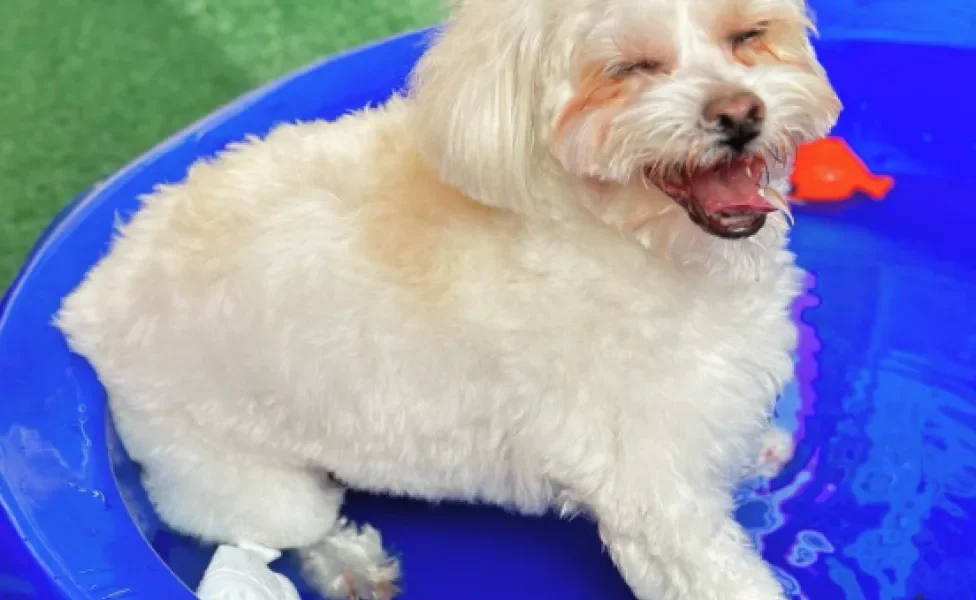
738	116
738	134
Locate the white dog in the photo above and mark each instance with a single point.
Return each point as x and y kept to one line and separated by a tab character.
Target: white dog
551	276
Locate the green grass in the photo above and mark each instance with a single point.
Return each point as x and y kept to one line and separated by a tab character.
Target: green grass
87	85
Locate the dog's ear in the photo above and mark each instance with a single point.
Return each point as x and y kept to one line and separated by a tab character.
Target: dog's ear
474	94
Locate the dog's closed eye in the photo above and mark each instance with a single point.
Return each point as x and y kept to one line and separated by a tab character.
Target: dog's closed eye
645	66
742	38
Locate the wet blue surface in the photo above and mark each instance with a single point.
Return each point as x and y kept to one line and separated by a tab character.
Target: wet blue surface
878	503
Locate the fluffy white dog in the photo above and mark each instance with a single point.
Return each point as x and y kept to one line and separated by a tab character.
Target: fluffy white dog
553	275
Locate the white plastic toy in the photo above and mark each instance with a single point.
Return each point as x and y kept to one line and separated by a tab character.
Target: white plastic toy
241	572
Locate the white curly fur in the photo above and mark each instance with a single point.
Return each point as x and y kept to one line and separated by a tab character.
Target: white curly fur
470	293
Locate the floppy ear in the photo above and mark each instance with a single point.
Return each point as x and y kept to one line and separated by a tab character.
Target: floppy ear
474	94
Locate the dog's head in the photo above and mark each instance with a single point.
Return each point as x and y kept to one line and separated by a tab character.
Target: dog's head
641	106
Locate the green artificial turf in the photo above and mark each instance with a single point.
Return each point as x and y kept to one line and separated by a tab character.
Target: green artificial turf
87	85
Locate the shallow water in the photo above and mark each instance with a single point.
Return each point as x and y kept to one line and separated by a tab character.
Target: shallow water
880	498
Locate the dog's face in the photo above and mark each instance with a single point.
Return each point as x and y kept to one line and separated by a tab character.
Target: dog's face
690	103
695	98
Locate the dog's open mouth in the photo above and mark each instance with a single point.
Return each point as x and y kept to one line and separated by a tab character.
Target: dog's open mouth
726	200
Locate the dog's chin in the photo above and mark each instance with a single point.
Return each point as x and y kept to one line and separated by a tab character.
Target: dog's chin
725	199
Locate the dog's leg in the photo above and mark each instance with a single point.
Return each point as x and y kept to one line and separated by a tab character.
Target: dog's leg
684	545
229	500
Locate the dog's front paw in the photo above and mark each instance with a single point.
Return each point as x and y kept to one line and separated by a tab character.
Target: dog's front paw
776	450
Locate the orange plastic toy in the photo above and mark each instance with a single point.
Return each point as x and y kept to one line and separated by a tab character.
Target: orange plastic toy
829	171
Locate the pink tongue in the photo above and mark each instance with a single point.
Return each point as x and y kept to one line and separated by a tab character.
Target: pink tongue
729	188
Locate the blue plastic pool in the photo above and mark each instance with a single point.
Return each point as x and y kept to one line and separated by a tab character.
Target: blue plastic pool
878	504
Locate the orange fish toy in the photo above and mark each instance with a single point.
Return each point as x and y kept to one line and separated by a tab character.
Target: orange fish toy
829	171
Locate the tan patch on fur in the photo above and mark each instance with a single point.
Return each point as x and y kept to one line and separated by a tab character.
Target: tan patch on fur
774	47
414	224
599	91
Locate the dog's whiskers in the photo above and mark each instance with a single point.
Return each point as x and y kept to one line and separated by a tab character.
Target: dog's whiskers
694	156
772	195
765	177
